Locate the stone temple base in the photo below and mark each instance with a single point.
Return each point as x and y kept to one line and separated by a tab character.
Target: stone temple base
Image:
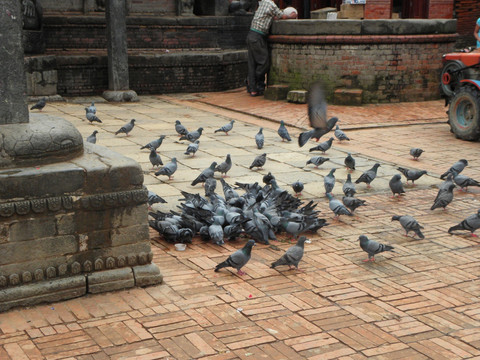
74	227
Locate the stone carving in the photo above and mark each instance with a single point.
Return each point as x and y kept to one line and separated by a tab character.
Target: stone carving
7	209
132	260
38	274
186	7
121	261
51	272
27	276
98	264
110	263
22	207
54	203
14	279
99	5
76	268
3	281
62	269
39	205
87	266
142	258
32	14
240	7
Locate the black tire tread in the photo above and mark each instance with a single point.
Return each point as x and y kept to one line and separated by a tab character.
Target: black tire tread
473	132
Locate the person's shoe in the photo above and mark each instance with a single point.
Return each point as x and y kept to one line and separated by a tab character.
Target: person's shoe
254	93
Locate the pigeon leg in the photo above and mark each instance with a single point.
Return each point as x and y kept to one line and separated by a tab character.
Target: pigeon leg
170	177
241	273
369	186
474	235
366	260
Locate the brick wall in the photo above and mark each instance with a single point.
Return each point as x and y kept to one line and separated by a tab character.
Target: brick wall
387	68
440	9
466	12
378	9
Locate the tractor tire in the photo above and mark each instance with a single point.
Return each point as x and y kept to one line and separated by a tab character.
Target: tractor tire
449	80
464	113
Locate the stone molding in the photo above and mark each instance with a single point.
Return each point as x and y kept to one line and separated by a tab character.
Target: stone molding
67	203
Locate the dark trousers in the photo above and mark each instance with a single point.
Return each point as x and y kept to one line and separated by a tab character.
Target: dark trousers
258	61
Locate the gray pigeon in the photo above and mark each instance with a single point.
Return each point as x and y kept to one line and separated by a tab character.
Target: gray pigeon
471	224
337	207
340	135
349	187
416	152
259	161
92	109
216	234
40	104
238	259
267	179
353	203
443	198
180	129
316	133
372	247
412	174
154	144
207	173
297	187
293	255
169	169
154	198
368	176
317	114
323	146
91	117
396	185
210	186
155	159
93	137
260	139
193	135
457	167
192	148
317	160
350	162
283	132
464	181
409	224
226	128
225	166
126	128
329	181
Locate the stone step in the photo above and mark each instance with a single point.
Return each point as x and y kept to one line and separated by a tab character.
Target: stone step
344	96
276	92
297	96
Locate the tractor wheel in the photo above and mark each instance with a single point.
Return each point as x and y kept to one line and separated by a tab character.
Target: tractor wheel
464	113
450	80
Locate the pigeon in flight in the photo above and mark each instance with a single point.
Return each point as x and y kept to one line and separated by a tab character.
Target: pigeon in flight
317	115
226	128
409	224
238	259
126	128
293	255
372	247
93	137
40	104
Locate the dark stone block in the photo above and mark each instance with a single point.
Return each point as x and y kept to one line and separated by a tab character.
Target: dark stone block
276	92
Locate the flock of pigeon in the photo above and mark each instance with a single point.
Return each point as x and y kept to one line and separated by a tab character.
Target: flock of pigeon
262	212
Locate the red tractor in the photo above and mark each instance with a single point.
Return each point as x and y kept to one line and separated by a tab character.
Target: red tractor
462	91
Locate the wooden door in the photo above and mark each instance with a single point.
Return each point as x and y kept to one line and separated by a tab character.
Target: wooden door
415	9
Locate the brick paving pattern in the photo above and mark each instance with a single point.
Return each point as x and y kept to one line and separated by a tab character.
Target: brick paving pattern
421	301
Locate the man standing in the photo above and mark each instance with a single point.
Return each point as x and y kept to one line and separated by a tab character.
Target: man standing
258	58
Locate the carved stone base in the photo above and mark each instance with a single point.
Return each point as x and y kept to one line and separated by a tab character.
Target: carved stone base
120	95
62	223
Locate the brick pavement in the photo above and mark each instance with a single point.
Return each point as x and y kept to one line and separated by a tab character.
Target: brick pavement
420	302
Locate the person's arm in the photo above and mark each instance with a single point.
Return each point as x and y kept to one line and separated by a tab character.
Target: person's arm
475	33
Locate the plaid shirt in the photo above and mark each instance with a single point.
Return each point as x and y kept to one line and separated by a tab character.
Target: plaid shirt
262	20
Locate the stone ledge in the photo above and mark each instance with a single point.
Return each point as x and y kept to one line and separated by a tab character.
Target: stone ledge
276	92
347	97
297	96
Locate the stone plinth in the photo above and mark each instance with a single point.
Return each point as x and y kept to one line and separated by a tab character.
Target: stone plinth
41	73
73	227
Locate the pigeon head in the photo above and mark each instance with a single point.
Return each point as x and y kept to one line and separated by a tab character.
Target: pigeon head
132	121
330	140
376	166
282	123
363	239
200	129
177	122
349	177
174	160
301	241
213	165
337	127
395	217
162	137
332	171
464	161
329	196
396	177
261	130
95	132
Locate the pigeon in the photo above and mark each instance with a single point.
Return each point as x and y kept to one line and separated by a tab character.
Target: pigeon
337	207
207	173
329	181
416	152
216	234
317	114
457	167
471	223
268	178
412	174
226	128
259	161
40	104
368	176
443	198
297	187
316	133
238	259
91	109
155	159
352	202
192	148
409	224
91	117
169	169
317	161
126	128
396	185
260	139
180	129
292	256
350	162
193	135
349	187
340	135
225	166
464	181
210	186
93	137
154	198
154	144
323	146
372	247
283	132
